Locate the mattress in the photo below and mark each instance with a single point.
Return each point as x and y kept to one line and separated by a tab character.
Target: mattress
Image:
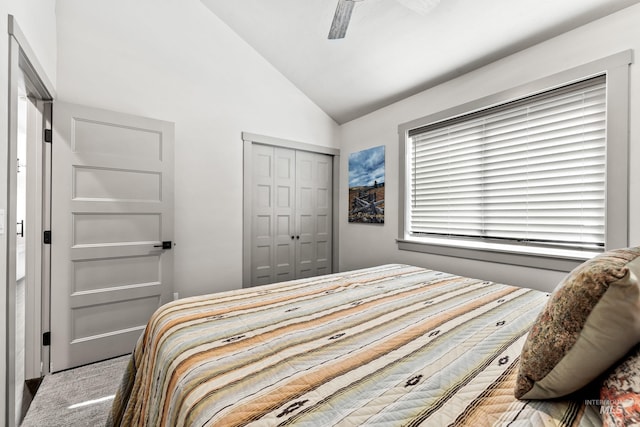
385	346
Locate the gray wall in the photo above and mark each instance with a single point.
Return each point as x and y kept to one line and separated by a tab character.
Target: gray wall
365	245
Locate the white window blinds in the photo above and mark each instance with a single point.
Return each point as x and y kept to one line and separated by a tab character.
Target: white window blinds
527	172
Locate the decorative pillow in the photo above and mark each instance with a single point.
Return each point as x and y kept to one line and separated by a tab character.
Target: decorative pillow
620	393
591	320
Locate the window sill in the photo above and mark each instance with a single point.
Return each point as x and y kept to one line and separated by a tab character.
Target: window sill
548	259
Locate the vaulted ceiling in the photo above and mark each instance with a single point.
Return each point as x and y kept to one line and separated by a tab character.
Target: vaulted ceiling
392	51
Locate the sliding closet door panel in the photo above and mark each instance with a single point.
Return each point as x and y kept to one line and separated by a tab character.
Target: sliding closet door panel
305	212
272	252
323	218
313	213
284	208
262	220
112	206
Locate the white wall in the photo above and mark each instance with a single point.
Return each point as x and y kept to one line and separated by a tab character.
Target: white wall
37	20
364	245
175	60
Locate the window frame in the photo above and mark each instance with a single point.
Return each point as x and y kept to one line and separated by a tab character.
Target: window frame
616	69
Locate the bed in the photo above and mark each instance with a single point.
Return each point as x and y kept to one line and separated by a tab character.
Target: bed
383	346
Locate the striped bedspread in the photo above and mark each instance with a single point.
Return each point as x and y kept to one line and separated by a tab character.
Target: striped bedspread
393	345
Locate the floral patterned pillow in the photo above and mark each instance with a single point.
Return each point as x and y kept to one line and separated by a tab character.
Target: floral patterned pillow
620	393
590	321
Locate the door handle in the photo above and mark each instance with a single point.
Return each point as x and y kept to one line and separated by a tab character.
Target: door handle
21	232
165	245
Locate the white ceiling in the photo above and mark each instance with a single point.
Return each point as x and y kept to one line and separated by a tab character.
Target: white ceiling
390	51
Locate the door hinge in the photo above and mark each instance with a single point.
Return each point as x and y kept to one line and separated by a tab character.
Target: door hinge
46	338
48	135
47	237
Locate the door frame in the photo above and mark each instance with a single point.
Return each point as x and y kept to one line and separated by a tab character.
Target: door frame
25	73
248	140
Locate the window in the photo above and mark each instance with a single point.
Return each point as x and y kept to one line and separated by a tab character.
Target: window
531	172
525	175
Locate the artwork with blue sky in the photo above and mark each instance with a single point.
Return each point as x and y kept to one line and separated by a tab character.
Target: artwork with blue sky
366	167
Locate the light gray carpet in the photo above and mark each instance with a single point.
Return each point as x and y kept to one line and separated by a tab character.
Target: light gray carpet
77	397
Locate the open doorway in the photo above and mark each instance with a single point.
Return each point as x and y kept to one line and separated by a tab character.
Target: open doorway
27	216
31	213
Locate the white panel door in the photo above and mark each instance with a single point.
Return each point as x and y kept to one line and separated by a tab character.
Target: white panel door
272	215
313	213
112	208
291	214
324	213
262	215
284	240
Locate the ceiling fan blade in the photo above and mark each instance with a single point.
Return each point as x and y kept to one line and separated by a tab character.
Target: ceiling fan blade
341	19
419	6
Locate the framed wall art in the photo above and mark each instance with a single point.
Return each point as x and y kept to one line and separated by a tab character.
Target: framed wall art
366	186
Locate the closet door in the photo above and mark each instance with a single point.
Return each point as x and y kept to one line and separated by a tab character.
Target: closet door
291	219
273	228
313	213
284	205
